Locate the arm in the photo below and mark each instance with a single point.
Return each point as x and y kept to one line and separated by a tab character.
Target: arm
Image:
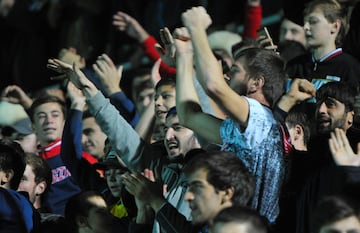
253	16
110	78
209	72
132	27
187	102
14	94
145	126
121	135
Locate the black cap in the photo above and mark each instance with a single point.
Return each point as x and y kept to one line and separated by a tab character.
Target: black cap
111	160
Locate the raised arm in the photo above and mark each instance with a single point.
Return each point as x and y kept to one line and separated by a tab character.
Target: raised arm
209	72
153	50
121	135
187	102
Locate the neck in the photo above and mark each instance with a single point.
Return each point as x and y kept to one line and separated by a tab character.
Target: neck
320	52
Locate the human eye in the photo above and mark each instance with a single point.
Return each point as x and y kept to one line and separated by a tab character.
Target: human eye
41	116
330	103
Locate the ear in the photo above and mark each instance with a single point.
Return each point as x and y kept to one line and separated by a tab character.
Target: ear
256	84
298	131
349	119
81	221
228	195
6	178
40	188
335	27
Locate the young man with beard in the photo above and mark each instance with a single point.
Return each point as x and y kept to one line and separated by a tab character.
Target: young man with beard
317	173
256	83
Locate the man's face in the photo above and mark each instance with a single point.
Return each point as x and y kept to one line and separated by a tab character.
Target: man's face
164	100
114	180
99	217
143	99
93	138
204	201
48	122
347	225
330	114
178	139
238	77
292	31
28	184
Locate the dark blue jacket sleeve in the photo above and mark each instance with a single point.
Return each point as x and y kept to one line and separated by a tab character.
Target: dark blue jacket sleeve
71	147
126	107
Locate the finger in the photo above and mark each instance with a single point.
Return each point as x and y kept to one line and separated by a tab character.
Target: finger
120	70
159	49
358	149
108	59
97	70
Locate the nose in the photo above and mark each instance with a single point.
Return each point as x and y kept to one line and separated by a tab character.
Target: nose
322	108
158	101
288	35
189	196
83	138
306	26
169	134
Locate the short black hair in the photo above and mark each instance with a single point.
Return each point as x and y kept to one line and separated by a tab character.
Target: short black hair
44	100
340	91
224	170
243	215
12	157
331	209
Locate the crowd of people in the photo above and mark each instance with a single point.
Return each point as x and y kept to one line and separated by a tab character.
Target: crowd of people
223	132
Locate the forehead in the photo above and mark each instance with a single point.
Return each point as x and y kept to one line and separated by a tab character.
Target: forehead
89	121
315	11
199	175
165	88
48	107
289	25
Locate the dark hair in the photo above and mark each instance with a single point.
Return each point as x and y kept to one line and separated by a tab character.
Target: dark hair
40	168
12	158
329	210
168	81
44	100
243	215
340	91
297	117
225	170
332	11
78	205
263	63
244	44
86	114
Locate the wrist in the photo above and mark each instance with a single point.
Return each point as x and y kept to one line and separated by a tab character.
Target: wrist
157	203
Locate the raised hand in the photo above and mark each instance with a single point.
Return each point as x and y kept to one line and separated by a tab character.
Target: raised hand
341	150
14	94
131	26
300	90
76	97
75	75
196	18
182	40
109	75
168	54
